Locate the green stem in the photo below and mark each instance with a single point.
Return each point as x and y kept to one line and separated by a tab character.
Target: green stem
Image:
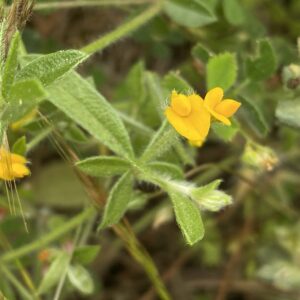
52	236
87	3
123	30
9	276
143	258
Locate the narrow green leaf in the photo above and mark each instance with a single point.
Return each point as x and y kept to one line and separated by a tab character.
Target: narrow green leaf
234	12
264	65
103	166
88	108
190	13
55	272
19	146
23	97
118	200
48	68
288	112
11	65
166	169
81	279
222	71
161	142
86	254
188	217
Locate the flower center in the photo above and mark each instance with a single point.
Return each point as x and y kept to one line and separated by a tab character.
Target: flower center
181	105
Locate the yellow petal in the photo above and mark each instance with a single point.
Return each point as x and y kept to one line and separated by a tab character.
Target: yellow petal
227	107
197	143
20	170
182	125
213	97
180	104
199	117
19	159
5	172
219	117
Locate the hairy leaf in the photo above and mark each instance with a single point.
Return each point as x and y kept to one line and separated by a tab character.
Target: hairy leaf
103	166
48	68
118	200
88	108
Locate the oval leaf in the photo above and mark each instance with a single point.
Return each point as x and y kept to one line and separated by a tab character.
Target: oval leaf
81	279
54	273
188	217
82	103
118	200
103	166
50	67
190	13
222	71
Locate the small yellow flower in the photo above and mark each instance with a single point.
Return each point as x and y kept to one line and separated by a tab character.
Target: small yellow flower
220	109
189	117
12	166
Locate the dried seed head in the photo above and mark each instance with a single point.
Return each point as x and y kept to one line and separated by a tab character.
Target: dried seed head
16	18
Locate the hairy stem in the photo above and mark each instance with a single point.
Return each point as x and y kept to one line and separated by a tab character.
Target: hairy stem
87	3
123	30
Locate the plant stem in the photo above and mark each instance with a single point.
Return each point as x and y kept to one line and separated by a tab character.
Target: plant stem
124	231
123	30
87	3
7	274
52	236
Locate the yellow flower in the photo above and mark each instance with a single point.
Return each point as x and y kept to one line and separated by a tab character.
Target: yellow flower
189	117
12	166
220	109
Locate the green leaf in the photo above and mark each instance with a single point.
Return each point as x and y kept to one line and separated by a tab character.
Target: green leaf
156	93
201	52
225	133
135	83
56	270
288	112
166	169
222	71
118	200
173	81
23	97
264	65
19	146
88	108
103	166
11	65
48	68
188	217
81	279
254	116
190	13
234	12
86	254
161	142
210	198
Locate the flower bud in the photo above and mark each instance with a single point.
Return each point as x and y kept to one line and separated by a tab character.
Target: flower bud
210	198
259	157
